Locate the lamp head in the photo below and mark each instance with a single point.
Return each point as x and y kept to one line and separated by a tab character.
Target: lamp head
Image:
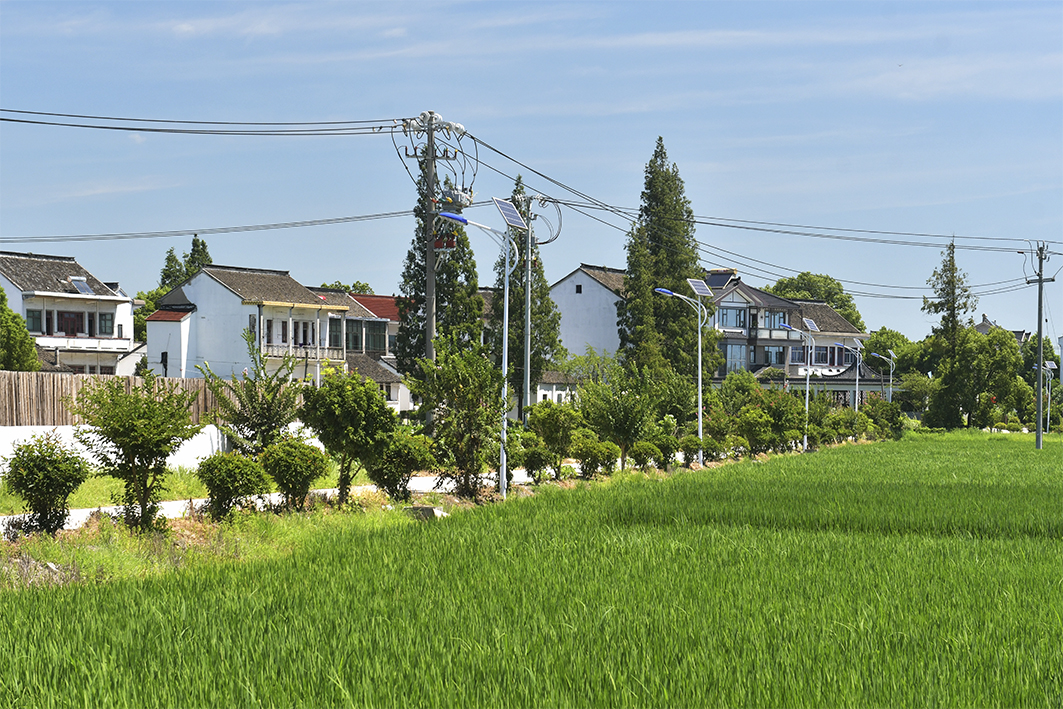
663	291
454	217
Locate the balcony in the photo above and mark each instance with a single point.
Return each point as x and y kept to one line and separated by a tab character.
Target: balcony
334	354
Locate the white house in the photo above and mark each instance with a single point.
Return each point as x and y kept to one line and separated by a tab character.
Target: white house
586	299
80	323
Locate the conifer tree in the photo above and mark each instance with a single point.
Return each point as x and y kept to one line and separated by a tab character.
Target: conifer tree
545	317
661	253
17	348
174	272
459	306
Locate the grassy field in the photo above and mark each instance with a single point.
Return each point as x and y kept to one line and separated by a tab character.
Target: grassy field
921	572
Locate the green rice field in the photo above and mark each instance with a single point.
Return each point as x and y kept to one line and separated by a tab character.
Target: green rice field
924	572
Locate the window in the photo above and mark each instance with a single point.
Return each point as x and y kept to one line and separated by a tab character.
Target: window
335	333
774	319
284	331
33	321
579	288
106	370
376	336
306	334
92	326
269	331
106	324
120	329
849	357
251	324
774	355
77	369
70	323
354	335
736	357
732	317
821	355
798	355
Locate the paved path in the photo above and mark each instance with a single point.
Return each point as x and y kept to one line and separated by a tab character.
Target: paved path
174	509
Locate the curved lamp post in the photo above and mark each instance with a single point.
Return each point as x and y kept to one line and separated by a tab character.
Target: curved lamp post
859	362
703	320
808	370
505	241
892	359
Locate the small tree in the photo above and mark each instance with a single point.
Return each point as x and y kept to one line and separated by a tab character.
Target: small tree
255	411
44	472
463	390
554	424
132	434
619	410
350	417
17	350
231	479
402	454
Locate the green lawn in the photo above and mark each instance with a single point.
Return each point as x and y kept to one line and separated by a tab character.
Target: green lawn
922	572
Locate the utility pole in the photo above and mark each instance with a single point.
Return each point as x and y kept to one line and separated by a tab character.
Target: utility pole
1042	256
528	238
429	241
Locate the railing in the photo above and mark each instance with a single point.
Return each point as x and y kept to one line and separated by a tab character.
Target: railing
333	354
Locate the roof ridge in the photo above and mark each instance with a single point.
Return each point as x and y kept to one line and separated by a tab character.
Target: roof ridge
247	269
29	254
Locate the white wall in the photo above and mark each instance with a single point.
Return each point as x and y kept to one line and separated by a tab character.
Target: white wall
587	318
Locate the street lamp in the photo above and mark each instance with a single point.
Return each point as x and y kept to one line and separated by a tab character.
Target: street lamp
892	359
515	221
700	288
808	370
859	362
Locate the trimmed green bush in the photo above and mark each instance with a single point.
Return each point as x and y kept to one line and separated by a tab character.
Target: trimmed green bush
44	472
536	462
608	457
667	446
690	445
230	479
294	465
644	454
404	454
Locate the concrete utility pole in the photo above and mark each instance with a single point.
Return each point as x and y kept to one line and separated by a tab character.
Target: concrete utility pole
1042	256
528	237
429	241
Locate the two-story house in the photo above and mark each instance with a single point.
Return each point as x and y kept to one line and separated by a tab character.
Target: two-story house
80	323
586	299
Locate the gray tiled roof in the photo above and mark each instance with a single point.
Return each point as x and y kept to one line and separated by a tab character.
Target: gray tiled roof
611	278
375	370
35	272
260	285
826	318
759	298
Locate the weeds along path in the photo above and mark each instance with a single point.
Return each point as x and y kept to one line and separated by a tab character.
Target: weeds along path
912	573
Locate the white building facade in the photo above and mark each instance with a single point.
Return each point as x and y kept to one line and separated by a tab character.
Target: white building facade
85	323
587	299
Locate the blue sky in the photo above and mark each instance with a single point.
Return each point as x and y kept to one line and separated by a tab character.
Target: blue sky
933	118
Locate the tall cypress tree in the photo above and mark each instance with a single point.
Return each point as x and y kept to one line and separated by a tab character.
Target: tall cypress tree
197	258
545	317
661	253
17	348
459	307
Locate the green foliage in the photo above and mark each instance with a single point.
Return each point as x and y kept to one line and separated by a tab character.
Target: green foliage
459	307
537	460
755	426
294	465
886	416
254	412
44	472
658	332
644	454
360	287
619	410
231	479
403	453
667	446
350	417
815	286
140	315
737	389
882	341
18	352
131	434
913	391
554	424
545	317
690	446
463	390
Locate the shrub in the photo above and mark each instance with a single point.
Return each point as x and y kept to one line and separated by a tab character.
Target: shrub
43	472
536	461
402	455
886	416
555	425
667	446
713	448
690	445
594	456
643	454
754	424
294	464
608	456
231	479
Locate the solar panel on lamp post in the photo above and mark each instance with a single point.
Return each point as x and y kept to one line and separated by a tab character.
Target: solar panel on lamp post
514	221
808	371
700	288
